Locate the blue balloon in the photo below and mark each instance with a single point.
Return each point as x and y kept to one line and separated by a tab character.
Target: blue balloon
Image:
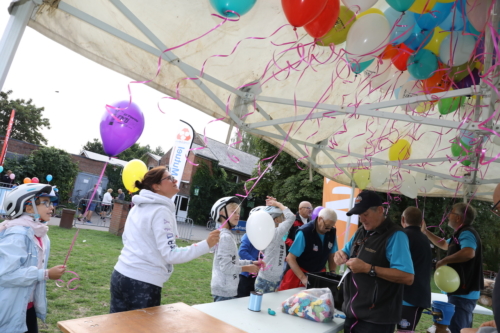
400	5
239	6
431	20
418	38
422	64
48	178
1	168
358	67
454	21
401	30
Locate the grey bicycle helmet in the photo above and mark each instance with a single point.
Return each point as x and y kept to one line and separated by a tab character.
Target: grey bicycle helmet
222	203
15	200
271	210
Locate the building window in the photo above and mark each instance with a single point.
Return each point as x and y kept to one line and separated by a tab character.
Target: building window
184	204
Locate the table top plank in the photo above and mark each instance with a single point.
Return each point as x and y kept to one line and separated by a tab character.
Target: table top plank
177	317
236	313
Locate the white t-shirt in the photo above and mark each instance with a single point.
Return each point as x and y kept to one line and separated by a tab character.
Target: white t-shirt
107	198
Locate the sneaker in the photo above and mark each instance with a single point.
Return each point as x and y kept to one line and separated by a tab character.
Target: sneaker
89	222
79	218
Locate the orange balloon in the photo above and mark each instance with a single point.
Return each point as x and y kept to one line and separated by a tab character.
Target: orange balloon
389	52
438	82
27	180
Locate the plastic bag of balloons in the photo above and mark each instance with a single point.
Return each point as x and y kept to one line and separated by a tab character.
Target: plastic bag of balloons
313	304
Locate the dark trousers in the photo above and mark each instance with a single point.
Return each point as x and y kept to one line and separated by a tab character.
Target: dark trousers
366	327
31	321
409	318
463	313
246	286
129	294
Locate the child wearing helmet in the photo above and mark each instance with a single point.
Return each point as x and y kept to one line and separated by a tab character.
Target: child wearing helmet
274	254
24	254
227	264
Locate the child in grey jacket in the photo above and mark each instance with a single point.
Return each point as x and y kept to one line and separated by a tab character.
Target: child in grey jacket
227	264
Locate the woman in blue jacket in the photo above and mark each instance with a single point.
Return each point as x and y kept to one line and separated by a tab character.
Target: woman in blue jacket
24	253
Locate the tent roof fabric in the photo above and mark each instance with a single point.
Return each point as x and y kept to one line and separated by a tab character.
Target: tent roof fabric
330	119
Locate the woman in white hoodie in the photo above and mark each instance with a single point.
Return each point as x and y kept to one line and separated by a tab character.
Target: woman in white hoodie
149	251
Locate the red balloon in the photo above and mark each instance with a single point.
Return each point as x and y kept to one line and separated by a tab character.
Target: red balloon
301	12
400	59
34	180
438	82
320	26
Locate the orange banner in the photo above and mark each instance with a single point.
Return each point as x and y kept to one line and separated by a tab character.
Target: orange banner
338	197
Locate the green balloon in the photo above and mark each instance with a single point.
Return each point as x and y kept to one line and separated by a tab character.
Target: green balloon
338	34
446	279
457	150
451	104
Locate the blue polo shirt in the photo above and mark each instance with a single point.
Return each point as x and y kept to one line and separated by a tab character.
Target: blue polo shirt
299	244
247	251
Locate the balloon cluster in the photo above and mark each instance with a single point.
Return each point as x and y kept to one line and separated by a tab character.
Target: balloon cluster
309	306
415	47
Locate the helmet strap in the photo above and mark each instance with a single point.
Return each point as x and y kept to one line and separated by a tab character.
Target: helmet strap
35	215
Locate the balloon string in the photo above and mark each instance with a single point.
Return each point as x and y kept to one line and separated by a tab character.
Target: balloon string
71	246
89	202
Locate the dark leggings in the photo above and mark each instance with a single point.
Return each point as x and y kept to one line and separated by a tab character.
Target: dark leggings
31	320
129	294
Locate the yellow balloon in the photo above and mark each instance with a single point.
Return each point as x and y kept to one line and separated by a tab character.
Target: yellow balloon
370	11
134	170
399	151
447	279
424	107
338	34
361	178
437	38
422	6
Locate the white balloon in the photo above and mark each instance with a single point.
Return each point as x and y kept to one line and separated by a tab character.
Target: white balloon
408	186
358	6
378	73
379	175
396	79
410	89
363	41
456	49
260	229
424	182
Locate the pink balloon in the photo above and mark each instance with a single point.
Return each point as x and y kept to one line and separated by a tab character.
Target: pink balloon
34	180
478	13
12	176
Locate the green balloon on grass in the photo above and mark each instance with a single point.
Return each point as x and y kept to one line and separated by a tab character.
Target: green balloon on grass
451	104
457	150
446	279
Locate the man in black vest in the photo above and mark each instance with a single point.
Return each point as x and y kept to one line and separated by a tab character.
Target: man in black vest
378	256
465	255
416	297
315	244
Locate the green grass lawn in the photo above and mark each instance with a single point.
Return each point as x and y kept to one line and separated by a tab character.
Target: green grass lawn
94	260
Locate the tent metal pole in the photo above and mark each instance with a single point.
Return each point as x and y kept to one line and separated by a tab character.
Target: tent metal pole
19	17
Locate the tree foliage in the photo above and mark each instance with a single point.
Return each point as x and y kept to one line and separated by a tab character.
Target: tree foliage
46	161
284	180
28	122
213	183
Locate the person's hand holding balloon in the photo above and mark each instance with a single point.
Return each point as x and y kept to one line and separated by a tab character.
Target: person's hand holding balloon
56	272
357	265
213	238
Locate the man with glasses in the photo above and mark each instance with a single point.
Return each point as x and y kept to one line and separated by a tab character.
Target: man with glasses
378	256
302	217
466	257
315	244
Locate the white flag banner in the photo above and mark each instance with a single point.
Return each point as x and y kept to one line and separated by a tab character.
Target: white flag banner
180	151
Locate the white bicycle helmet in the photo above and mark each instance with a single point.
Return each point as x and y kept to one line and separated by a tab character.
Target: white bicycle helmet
16	199
271	210
222	203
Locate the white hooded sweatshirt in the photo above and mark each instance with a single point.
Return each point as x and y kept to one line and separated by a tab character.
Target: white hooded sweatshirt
149	250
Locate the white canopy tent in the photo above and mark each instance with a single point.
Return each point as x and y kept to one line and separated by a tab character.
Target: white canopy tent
318	112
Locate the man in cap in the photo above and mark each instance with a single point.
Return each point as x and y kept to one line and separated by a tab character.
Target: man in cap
378	256
465	255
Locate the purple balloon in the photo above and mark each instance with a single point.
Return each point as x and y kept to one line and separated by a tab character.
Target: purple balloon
118	135
315	212
469	80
